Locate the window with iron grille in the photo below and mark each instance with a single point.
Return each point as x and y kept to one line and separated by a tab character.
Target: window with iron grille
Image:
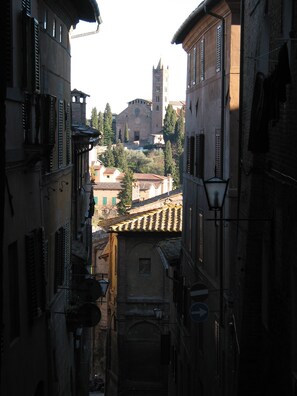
219	48
35	268
218	154
199	155
202	60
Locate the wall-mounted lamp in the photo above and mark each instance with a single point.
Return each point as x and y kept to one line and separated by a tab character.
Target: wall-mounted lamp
104	283
215	191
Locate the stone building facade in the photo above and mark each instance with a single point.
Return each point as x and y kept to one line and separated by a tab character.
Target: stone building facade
40	354
240	126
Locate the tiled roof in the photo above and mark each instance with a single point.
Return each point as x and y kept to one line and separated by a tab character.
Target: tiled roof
165	219
148	176
107	186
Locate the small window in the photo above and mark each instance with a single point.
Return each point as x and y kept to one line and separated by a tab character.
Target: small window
114	201
194	66
96	200
104	200
145	266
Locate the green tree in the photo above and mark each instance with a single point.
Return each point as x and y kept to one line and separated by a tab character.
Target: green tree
137	161
179	132
107	157
169	164
108	135
169	124
100	122
125	195
126	134
120	157
94	118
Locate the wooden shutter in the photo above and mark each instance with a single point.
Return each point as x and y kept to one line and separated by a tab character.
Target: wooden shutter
59	258
219	49
35	55
60	133
8	39
202	59
26	118
68	134
218	153
199	155
188	155
192	154
26	6
35	267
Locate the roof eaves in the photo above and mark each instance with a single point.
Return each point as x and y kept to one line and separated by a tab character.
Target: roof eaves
191	21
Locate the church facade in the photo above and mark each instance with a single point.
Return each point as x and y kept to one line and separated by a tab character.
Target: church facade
142	121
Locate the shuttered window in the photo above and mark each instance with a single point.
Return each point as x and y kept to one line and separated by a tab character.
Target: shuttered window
8	43
59	258
202	60
199	155
31	60
27	118
26	6
200	237
189	70
190	146
60	133
218	153
68	134
219	48
35	268
194	66
62	257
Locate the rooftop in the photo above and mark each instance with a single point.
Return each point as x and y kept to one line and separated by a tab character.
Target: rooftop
168	218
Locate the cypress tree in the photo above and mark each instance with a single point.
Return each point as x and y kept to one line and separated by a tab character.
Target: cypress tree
125	195
107	126
169	124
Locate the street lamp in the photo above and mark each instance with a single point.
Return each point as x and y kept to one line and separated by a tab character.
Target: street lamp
104	283
215	190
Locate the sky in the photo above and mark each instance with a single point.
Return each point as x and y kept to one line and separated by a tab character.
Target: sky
115	65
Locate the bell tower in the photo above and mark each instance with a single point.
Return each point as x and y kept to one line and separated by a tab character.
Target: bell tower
159	96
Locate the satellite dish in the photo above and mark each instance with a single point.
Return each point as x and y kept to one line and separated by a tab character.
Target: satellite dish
89	290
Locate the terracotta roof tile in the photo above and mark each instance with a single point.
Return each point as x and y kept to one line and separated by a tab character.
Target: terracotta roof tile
165	219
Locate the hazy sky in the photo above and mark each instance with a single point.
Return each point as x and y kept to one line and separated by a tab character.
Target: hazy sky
115	65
